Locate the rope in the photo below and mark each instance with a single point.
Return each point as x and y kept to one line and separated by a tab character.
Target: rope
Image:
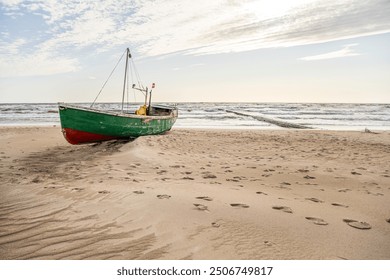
127	93
108	78
136	74
132	81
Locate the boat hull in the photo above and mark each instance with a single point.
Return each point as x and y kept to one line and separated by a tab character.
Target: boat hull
84	125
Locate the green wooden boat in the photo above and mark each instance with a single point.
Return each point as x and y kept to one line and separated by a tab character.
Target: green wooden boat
86	124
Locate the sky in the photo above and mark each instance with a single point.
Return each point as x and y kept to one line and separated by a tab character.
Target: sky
196	51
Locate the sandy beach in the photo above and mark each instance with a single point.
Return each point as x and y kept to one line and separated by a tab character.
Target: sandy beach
196	194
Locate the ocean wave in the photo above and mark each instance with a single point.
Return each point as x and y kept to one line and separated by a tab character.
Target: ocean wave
217	115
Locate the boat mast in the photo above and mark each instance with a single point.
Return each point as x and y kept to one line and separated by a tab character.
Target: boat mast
146	96
124	83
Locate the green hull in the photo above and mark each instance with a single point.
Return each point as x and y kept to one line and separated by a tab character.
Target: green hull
82	124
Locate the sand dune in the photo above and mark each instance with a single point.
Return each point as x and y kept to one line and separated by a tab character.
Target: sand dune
196	194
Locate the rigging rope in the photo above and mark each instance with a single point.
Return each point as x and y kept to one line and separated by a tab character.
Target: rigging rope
132	81
108	78
136	74
133	71
127	93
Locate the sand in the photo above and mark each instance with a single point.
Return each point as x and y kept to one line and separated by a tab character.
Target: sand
196	194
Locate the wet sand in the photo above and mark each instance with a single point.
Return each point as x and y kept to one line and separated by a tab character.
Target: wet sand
196	194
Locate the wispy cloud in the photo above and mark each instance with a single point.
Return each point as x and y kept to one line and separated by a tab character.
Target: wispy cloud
201	27
344	52
41	63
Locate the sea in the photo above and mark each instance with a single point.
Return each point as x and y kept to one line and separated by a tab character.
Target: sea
327	116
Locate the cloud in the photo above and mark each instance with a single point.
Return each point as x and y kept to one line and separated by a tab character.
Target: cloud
39	64
10	3
209	27
12	48
16	62
157	28
344	52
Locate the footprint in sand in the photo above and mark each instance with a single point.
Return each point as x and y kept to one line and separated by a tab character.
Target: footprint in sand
187	178
138	192
340	205
314	199
232	180
269	170
103	192
163	196
283	208
77	189
239	205
215	224
201	207
317	221
303	170
343	190
204	198
209	176
176	166
37	180
376	194
357	224
309	177
261	193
